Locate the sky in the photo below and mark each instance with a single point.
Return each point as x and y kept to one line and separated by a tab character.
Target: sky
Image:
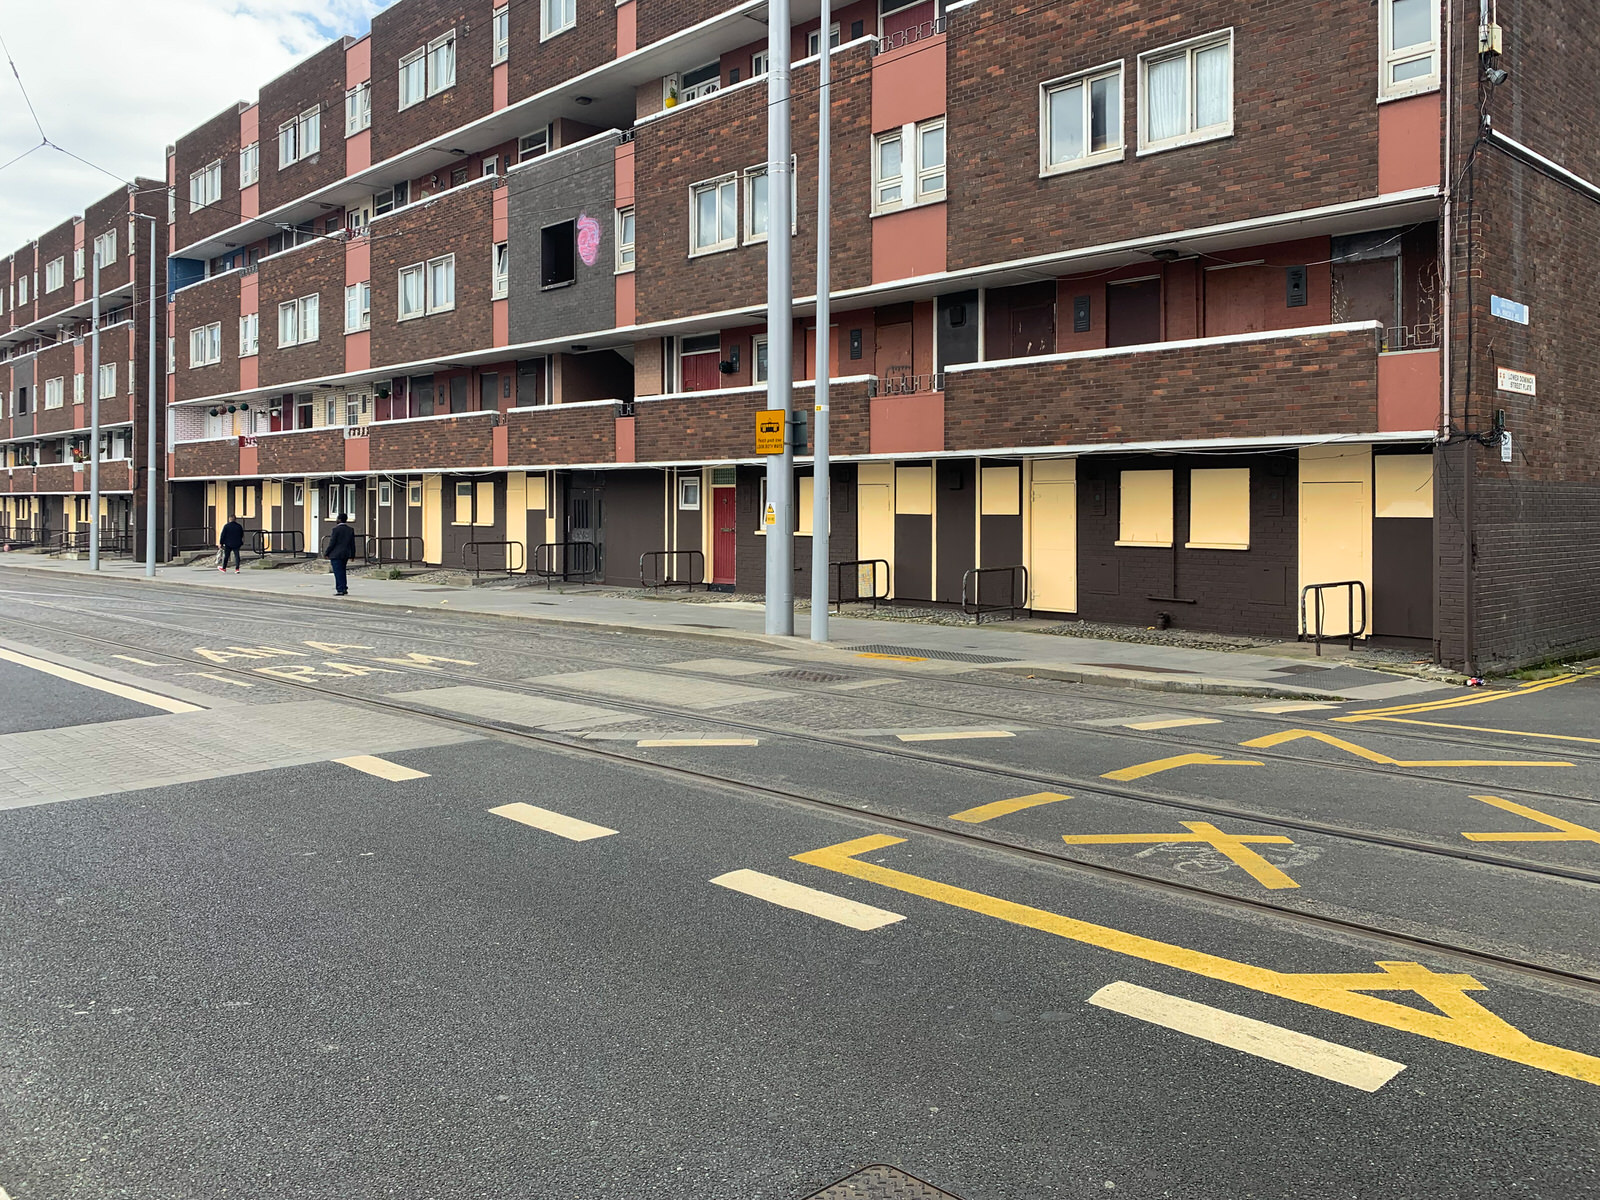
118	81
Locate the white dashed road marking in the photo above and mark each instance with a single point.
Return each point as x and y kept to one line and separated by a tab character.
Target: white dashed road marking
559	824
826	905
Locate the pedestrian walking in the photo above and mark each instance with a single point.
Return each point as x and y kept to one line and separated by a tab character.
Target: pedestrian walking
229	544
341	549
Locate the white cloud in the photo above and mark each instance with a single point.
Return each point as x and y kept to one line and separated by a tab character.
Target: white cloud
118	82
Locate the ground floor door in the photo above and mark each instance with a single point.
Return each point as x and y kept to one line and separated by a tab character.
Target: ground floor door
1053	520
585	524
724	534
313	518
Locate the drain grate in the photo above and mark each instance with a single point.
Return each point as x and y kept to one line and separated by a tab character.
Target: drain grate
915	652
879	1182
801	675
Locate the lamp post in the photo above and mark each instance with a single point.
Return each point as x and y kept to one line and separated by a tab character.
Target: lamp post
820	528
94	416
150	435
778	517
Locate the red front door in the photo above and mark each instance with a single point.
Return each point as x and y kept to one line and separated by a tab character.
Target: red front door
724	535
700	372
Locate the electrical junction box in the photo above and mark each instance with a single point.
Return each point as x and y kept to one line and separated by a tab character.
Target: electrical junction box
1488	39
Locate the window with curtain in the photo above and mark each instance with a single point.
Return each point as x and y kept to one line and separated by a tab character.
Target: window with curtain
1186	93
1083	120
411	291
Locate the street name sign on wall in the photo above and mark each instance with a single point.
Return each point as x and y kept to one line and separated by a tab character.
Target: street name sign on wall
1520	382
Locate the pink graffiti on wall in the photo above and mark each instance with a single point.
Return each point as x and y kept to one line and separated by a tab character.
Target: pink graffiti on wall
588	239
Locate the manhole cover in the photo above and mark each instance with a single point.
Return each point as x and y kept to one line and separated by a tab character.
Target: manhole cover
879	1182
804	676
914	652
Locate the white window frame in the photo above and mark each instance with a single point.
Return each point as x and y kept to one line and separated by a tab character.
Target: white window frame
556	17
55	392
1090	157
491	165
759	363
1390	57
105	246
357	305
400	294
759	171
915	177
249	165
205	345
626	221
22	286
77	262
727	238
442	63
1187	49
77	387
385	493
501	24
358	108
758	63
407	62
107	389
434	303
205	186
249	334
814	40
689	493
306	315
500	270
55	273
528	147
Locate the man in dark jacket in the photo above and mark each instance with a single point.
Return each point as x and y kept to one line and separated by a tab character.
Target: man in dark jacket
229	543
341	549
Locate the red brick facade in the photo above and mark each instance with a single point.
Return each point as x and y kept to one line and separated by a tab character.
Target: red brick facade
460	222
402	28
304	452
316	269
449	442
215	300
318	81
216	140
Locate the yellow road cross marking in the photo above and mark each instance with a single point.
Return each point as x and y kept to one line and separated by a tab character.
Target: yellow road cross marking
1564	831
1140	770
1293	735
1559	737
896	657
381	767
1425	706
1459	1021
1232	845
1003	808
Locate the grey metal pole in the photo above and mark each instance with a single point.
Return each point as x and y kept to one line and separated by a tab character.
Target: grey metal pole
150	474
780	327
94	420
820	507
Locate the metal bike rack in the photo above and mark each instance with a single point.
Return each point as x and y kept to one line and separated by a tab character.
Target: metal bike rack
1351	586
972	598
875	594
670	560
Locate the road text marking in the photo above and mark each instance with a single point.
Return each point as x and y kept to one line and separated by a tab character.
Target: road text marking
109	686
381	767
1231	845
699	741
956	736
1002	808
1140	770
1564	831
570	828
1355	1068
826	905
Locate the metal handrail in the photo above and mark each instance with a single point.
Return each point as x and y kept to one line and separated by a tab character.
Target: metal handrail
669	559
975	607
547	554
360	550
277	541
836	593
514	563
178	541
23	535
1318	588
375	553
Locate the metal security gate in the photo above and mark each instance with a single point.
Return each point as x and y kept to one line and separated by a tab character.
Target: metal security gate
586	513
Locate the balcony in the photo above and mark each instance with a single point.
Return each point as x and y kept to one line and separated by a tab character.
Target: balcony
206	460
450	441
296	452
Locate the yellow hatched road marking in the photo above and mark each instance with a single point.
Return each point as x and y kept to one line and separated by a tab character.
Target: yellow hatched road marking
1367	714
109	686
1293	735
1564	831
1140	770
1232	845
1459	1021
1003	808
381	767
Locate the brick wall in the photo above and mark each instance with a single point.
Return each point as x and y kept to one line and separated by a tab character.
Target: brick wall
432	443
657	19
218	138
214	300
563	435
1319	383
109	212
460	222
206	460
712	427
58	243
315	267
52	362
410	26
1304	119
314	452
727	133
536	65
317	80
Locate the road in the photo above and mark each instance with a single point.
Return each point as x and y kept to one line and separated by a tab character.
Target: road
313	902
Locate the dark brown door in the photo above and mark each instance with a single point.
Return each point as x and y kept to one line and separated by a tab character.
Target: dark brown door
1033	331
1133	312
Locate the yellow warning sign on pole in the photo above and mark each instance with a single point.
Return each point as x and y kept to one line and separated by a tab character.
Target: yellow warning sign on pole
769	431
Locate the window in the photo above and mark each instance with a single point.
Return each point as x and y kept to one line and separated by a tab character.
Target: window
557	16
357	307
501	271
713	219
1081	120
502	34
757	223
358	108
413	78
352	410
441	283
105	249
298	321
1409	40
77	388
55	392
414	495
349	508
249	164
557	260
22	285
205	186
55	273
689	492
442	63
300	138
1186	94
758	347
299	494
463	513
77	263
411	292
491	165
1219	509
532	145
384	493
249	335
1146	509
108	381
758	63
897	174
625	238
814	40
205	345
701	81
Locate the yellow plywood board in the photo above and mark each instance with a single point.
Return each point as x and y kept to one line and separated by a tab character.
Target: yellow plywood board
1002	491
1402	485
1219	509
1146	509
913	491
1053	543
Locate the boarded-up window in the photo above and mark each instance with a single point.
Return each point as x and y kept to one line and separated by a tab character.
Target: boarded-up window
1002	491
536	492
1146	509
463	514
1219	509
913	491
485	513
1403	485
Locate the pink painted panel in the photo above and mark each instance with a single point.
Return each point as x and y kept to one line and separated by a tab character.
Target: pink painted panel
249	372
627	313
357	261
624	175
250	125
625	440
501	312
249	292
250	201
358	151
249	460
502	85
357	454
358	62
358	351
80	287
907	424
908	84
1408	391
627	28
1410	138
502	214
502	445
909	243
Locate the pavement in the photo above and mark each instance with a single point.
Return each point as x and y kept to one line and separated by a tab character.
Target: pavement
1003	647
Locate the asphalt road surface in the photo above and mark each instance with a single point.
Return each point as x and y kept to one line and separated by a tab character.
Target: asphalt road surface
301	901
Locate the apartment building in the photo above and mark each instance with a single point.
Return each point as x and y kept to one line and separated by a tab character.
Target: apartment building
48	383
1171	306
